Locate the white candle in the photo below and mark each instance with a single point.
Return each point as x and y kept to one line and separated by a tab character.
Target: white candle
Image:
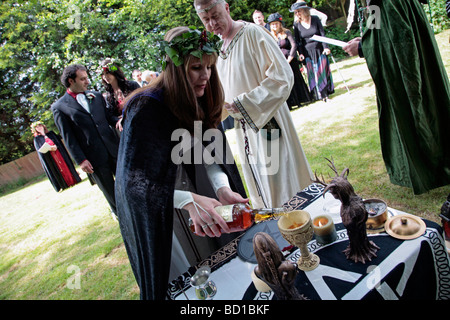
324	229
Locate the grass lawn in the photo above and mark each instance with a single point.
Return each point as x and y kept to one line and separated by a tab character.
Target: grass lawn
61	246
66	245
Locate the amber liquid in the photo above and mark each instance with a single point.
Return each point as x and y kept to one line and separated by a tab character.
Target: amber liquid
244	217
295	225
259	217
242	220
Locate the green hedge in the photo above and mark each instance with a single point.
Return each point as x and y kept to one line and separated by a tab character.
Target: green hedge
338	32
436	13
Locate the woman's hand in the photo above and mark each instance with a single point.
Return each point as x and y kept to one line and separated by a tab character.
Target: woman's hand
301	57
326	51
205	217
227	196
119	125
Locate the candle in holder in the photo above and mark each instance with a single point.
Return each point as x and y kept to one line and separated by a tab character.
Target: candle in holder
324	229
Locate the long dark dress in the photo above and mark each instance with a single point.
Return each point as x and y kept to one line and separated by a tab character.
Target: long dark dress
413	95
319	73
145	182
299	93
57	165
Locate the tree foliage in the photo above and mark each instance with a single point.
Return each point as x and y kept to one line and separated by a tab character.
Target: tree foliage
38	38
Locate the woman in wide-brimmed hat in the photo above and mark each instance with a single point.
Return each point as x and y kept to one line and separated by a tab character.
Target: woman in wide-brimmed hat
313	53
299	93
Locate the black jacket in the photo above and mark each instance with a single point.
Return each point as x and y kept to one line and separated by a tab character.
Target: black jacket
87	135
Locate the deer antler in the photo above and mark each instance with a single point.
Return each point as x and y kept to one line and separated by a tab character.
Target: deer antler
345	173
331	165
322	182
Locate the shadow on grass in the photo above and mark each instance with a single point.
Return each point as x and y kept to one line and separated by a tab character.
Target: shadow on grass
341	89
349	65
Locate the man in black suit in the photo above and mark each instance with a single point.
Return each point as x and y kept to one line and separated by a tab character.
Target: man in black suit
84	124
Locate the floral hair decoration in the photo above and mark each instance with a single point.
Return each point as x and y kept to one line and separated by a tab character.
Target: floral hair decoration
34	125
110	66
193	42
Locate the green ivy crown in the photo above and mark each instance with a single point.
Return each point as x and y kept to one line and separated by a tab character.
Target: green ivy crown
193	42
110	66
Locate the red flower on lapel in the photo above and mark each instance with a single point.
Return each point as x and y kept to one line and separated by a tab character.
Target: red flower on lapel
90	96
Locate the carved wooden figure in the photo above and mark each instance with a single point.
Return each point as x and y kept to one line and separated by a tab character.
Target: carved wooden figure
278	273
353	214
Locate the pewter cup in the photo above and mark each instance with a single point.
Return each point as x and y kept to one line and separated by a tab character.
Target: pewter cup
205	289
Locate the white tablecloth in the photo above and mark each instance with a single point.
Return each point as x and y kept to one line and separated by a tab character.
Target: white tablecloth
232	276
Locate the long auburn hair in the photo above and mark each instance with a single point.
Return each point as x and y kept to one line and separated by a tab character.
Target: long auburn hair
179	95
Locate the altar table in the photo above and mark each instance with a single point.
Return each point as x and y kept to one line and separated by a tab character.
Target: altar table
403	269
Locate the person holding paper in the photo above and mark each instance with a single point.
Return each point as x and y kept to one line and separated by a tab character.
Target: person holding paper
54	158
314	53
413	93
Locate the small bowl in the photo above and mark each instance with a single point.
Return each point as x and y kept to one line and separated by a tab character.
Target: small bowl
378	214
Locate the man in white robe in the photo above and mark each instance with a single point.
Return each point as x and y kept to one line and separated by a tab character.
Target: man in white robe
257	81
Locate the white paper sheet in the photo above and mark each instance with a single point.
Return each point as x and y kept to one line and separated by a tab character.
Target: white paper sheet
45	148
329	40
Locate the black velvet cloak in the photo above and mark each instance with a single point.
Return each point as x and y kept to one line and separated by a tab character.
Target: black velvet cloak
145	183
49	165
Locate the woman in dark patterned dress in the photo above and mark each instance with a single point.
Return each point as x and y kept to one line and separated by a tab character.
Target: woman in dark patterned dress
299	93
314	53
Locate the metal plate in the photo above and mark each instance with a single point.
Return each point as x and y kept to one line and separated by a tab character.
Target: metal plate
245	246
414	228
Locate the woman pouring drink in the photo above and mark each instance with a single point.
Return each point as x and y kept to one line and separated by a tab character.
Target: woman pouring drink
153	177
